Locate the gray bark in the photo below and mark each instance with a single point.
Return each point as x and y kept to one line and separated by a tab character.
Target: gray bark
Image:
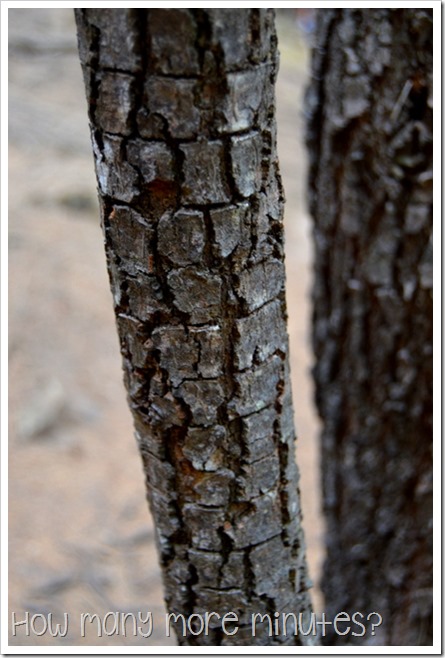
181	106
370	140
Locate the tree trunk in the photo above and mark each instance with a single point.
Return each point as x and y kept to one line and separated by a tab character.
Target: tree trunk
182	117
370	140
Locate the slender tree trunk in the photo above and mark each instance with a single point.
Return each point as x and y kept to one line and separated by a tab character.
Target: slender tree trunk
181	106
370	139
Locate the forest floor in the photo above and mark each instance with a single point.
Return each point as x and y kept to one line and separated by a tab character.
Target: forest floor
80	536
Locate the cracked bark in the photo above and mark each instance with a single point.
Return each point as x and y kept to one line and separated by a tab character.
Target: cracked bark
181	107
370	141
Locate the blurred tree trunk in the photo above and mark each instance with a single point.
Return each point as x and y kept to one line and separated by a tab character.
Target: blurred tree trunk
370	140
181	106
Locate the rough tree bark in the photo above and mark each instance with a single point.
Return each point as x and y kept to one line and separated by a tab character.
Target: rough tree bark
370	140
181	106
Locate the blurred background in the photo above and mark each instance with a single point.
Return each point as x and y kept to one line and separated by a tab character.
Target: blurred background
80	535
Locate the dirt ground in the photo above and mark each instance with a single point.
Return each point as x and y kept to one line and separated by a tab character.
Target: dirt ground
80	536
